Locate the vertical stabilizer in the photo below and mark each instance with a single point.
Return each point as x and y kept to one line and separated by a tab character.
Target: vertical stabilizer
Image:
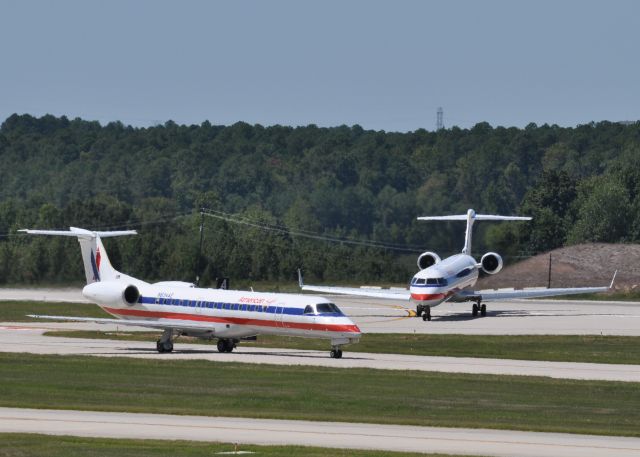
471	217
97	266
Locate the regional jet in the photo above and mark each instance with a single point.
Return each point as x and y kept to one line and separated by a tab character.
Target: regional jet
180	308
453	279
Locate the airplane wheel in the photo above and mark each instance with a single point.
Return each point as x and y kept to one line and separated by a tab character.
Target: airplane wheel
222	346
230	345
336	353
419	310
160	346
164	346
483	310
474	310
426	315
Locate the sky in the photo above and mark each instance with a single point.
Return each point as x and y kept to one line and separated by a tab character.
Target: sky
384	65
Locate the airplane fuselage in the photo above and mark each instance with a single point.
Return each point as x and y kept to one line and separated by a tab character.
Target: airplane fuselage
441	281
228	313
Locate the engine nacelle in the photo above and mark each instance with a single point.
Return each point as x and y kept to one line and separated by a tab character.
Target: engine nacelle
428	259
112	292
491	263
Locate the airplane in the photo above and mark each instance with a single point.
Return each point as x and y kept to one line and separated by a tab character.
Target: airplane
179	308
452	279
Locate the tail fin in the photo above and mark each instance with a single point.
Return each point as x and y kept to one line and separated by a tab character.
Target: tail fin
471	217
94	256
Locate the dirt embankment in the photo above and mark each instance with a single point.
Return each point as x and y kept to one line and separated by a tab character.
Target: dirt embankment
573	266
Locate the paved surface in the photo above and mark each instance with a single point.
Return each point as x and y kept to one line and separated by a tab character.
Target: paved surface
29	338
513	317
324	434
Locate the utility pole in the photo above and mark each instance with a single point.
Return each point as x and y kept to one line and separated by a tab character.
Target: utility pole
199	256
549	281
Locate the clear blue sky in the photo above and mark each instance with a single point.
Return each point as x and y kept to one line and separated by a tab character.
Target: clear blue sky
384	65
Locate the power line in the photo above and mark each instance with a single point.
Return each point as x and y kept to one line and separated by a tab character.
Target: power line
305	233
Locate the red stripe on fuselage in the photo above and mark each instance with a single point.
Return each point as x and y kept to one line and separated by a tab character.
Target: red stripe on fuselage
234	320
428	297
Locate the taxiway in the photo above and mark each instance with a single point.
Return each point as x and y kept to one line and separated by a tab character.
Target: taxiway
323	434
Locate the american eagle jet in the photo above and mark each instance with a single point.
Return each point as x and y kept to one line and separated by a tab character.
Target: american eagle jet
453	278
180	308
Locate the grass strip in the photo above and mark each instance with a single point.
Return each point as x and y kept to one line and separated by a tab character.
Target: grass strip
16	311
323	394
555	348
34	445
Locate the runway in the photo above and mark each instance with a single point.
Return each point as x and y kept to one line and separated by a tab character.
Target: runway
29	338
323	434
513	317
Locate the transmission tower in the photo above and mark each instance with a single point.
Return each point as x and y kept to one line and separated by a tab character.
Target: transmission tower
439	121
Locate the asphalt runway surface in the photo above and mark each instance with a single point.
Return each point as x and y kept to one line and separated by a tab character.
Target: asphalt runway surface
513	317
29	338
323	434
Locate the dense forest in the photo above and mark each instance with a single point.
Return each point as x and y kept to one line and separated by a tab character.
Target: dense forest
339	202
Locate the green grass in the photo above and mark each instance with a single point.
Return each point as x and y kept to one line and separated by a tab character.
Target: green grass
32	445
560	348
323	394
16	311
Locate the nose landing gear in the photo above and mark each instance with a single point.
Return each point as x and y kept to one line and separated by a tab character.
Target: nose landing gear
424	311
226	345
336	353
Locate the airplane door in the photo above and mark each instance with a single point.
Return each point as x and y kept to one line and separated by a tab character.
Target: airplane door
280	315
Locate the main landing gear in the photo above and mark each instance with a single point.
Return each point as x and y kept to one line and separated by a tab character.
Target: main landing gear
226	345
165	343
424	311
478	307
336	353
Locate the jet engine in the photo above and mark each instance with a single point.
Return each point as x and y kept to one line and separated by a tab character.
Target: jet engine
428	259
491	263
112	292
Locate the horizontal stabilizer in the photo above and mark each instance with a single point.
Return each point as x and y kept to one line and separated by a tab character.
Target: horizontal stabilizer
477	217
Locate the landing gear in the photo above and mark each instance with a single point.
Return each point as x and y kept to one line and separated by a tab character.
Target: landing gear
479	308
424	311
336	353
165	343
225	345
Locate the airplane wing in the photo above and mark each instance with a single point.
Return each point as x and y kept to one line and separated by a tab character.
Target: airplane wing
392	294
507	294
129	322
491	295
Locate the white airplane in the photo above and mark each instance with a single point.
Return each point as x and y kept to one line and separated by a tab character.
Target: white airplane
180	308
453	278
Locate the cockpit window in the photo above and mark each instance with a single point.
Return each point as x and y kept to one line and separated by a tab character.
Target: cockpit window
309	310
436	282
419	281
465	272
328	308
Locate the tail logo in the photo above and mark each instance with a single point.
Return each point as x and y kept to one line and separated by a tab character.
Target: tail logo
95	264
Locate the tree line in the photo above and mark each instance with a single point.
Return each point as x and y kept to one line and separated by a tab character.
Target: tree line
579	184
